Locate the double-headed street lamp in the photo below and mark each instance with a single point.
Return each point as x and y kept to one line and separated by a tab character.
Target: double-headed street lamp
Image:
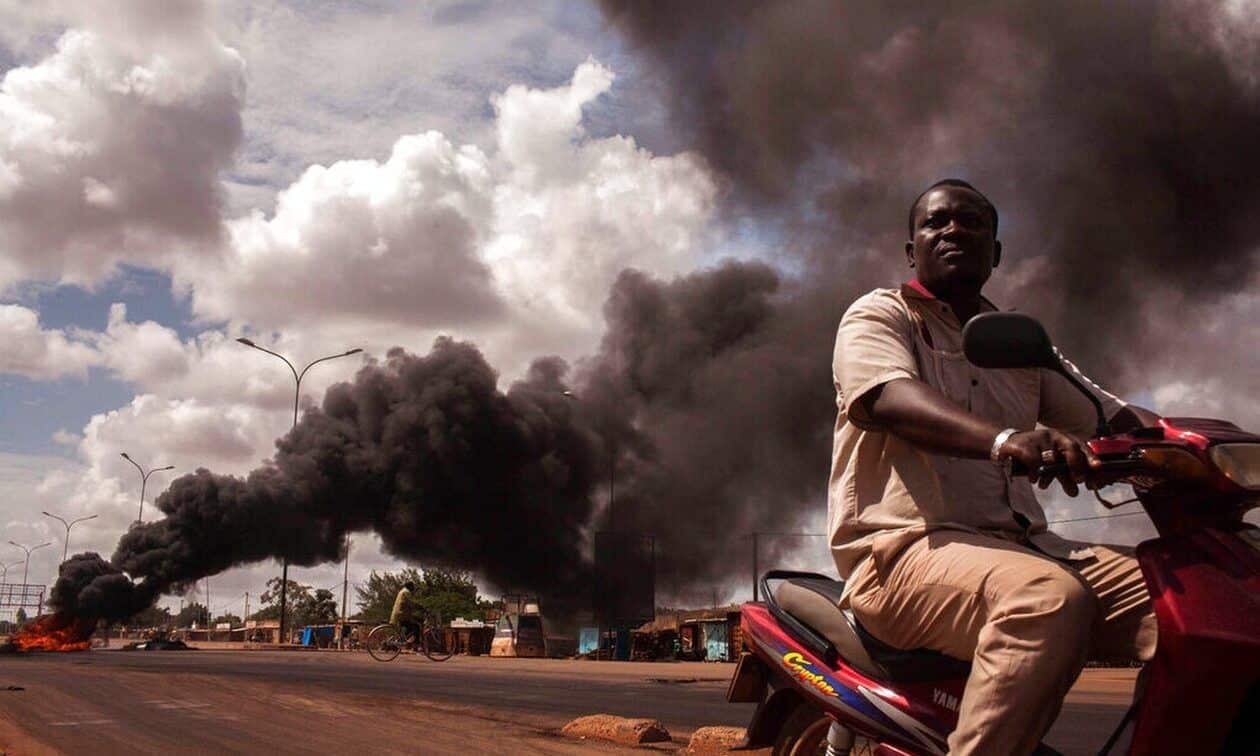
144	480
66	551
297	394
28	550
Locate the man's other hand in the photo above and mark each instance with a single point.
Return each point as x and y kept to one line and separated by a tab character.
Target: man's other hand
1037	448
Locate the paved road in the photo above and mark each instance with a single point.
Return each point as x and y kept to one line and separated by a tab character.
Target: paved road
108	702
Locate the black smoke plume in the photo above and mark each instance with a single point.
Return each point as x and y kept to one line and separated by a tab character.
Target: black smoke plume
426	452
1117	140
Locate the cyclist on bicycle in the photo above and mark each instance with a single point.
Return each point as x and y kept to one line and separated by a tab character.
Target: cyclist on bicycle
404	614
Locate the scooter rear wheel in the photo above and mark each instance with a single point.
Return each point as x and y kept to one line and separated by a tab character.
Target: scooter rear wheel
805	734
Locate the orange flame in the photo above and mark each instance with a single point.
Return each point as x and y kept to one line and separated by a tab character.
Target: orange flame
54	632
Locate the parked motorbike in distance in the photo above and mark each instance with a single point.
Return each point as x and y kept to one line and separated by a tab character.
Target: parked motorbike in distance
807	663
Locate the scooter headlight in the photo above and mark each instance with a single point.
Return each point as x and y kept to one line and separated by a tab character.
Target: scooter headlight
1240	463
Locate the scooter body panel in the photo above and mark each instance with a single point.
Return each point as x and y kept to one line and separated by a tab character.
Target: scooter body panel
914	716
1205	587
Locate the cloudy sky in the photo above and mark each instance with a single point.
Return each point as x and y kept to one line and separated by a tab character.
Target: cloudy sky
315	176
320	176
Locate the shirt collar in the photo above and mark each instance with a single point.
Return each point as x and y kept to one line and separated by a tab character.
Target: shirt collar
916	290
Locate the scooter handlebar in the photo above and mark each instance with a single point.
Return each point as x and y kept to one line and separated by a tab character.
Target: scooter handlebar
1110	469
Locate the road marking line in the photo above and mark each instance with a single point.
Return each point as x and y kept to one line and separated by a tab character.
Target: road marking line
80	722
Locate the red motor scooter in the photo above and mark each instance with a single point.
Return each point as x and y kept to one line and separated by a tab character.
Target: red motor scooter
809	664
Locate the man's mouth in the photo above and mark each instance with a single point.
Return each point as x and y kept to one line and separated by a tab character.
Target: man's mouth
953	253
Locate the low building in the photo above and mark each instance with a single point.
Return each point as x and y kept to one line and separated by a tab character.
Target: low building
691	635
471	637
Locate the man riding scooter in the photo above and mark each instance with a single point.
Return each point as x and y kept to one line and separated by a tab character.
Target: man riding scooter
941	548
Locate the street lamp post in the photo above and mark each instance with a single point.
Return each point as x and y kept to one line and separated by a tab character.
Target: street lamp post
4	571
297	393
144	480
65	552
27	568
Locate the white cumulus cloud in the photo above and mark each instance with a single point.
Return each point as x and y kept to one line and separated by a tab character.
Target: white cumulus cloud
111	145
36	352
515	245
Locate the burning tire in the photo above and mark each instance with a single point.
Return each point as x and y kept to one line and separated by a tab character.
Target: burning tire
384	643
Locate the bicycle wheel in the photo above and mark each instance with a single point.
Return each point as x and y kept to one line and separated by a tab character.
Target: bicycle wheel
384	643
433	644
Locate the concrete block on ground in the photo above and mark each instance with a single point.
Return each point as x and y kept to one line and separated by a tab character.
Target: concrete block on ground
617	729
713	740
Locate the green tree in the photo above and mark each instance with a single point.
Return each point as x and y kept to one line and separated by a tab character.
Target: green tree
318	608
296	596
154	616
376	596
191	613
230	618
447	593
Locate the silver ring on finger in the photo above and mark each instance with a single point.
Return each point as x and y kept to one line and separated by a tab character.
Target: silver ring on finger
1047	456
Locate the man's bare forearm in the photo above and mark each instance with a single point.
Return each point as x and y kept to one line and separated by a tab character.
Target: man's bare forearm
920	414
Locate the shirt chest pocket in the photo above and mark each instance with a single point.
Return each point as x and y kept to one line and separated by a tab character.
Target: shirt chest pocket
1007	397
944	370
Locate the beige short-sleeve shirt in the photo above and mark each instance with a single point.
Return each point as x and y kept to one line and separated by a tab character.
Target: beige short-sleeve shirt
884	492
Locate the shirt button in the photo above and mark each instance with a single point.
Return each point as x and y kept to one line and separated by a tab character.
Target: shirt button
974	382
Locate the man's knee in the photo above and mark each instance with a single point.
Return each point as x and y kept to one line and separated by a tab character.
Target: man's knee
1065	604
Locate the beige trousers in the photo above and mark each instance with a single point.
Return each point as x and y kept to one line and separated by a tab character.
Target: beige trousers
1027	622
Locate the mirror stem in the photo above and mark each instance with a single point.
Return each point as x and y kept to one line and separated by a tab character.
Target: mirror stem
1104	428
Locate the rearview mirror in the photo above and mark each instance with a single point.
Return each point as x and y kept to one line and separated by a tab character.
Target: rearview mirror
1007	340
1004	340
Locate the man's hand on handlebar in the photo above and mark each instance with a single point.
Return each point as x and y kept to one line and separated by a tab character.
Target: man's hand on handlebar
1036	450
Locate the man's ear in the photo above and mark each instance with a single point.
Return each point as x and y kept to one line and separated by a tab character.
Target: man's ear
910	253
997	252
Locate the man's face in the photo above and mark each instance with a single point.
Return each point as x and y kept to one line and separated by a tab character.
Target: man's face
954	248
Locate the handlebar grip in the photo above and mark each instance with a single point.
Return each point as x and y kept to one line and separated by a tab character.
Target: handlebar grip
1057	469
1113	467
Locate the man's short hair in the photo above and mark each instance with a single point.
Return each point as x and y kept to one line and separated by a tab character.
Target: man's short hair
993	216
409	585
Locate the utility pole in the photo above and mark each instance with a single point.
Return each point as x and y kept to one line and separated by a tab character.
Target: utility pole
345	592
297	393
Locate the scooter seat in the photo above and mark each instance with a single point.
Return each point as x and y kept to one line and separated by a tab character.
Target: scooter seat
815	602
